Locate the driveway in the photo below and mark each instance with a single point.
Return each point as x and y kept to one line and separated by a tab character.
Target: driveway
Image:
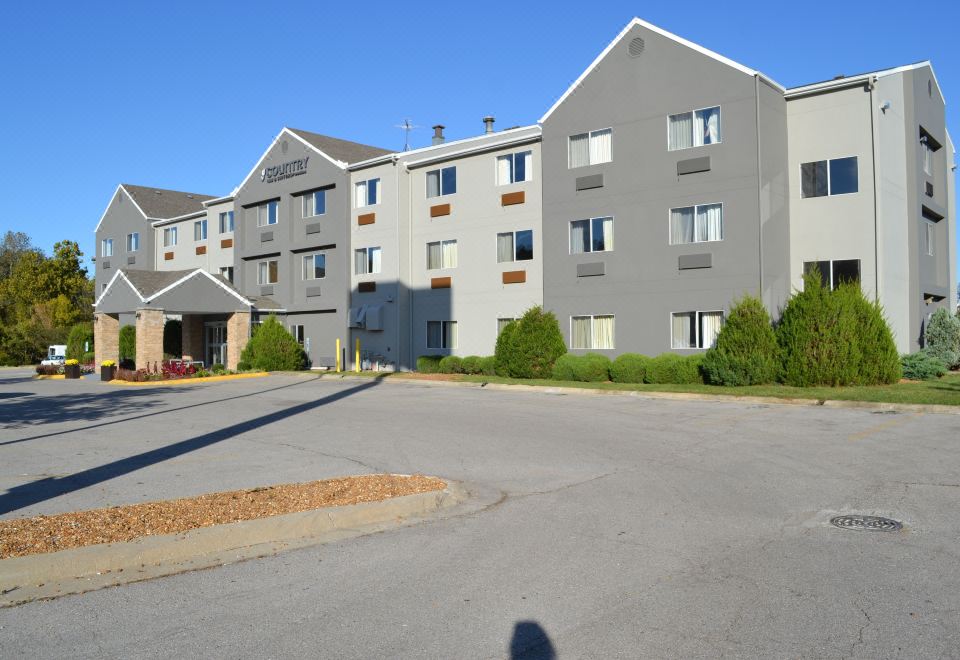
616	526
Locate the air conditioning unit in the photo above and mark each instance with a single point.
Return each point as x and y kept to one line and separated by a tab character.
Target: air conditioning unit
358	317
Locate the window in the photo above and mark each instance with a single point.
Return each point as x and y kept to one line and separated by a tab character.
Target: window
593	235
267	272
226	222
297	332
106	247
366	193
200	230
930	230
929	146
267	213
591	332
590	148
441	182
515	246
828	177
226	272
103	287
514	168
834	273
366	261
695	329
503	323
696	224
694	129
133	241
441	254
169	237
314	266
314	203
441	334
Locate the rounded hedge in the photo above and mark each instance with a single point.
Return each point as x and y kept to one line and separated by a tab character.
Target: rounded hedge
629	368
746	352
471	365
273	348
488	365
941	337
589	368
529	346
429	364
670	368
922	365
451	364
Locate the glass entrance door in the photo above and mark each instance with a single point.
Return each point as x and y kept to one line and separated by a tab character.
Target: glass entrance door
216	344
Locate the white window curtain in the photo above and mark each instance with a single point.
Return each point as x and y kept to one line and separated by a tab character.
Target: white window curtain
360	199
681	225
504	247
579	150
930	230
360	262
601	146
433	183
308	268
375	260
709	222
262	272
681	131
706	126
927	159
579	236
684	335
504	170
710	324
434	334
450	334
602	332
434	256
449	254
501	324
607	228
580	327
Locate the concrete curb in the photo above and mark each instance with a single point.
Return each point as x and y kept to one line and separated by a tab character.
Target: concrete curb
674	396
55	574
187	381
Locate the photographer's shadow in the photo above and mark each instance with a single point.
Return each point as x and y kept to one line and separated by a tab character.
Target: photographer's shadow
531	642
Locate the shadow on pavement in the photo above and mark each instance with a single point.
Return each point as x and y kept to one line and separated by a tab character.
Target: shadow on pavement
51	487
531	642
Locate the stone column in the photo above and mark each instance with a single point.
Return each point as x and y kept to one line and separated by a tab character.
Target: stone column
192	337
106	338
238	334
149	337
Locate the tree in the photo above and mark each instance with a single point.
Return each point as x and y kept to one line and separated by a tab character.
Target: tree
273	348
746	352
529	346
80	340
942	338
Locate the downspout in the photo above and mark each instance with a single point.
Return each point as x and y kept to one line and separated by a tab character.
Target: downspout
398	302
876	203
410	306
756	87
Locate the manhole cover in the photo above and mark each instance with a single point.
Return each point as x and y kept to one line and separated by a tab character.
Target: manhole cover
867	523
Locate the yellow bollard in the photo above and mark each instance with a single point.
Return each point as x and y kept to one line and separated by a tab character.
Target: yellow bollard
358	355
338	354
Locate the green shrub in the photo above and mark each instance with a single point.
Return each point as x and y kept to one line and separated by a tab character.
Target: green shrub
488	365
589	368
88	357
79	340
273	348
471	365
429	364
451	364
629	368
528	347
746	351
563	367
218	369
173	337
128	342
835	338
243	366
941	337
670	368
922	365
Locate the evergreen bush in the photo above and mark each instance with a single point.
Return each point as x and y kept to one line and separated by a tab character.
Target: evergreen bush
78	340
429	364
589	368
529	346
88	357
273	348
451	364
243	366
488	365
173	338
941	337
128	343
670	368
629	368
471	365
746	351
922	365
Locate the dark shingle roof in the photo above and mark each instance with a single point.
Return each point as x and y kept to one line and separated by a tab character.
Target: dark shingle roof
158	203
148	282
342	150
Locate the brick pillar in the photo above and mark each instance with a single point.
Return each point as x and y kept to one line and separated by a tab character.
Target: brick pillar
149	337
238	334
192	337
106	338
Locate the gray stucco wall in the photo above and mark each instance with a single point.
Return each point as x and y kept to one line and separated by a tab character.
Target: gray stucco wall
642	284
122	218
214	256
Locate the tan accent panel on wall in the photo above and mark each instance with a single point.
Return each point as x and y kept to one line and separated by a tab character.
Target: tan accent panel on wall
167	256
367	287
226	243
441	283
509	199
515	277
201	249
366	219
439	210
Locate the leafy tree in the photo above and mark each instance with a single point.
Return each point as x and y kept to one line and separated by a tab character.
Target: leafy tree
942	338
273	348
746	352
80	337
529	346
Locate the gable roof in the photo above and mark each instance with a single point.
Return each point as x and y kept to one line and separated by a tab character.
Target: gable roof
342	150
669	35
149	284
160	204
860	78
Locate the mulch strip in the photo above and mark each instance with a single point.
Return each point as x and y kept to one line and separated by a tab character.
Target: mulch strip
28	536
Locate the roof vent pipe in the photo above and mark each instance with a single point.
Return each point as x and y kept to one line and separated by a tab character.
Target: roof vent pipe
438	134
488	122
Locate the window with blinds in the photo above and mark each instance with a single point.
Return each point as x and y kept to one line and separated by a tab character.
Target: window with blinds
442	334
696	224
267	272
593	235
366	261
515	246
592	332
695	329
514	168
441	254
590	148
366	193
694	129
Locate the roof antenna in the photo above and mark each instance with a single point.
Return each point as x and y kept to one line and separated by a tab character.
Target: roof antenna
407	126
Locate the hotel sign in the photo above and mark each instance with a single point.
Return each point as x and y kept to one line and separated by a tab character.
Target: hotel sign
276	173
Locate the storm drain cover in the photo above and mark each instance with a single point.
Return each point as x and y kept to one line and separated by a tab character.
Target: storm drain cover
867	523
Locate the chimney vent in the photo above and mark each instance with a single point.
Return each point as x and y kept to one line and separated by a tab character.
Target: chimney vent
438	134
488	121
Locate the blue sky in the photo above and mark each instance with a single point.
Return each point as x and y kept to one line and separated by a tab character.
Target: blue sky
187	95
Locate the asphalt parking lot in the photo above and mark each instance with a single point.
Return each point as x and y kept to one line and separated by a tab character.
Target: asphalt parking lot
614	526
